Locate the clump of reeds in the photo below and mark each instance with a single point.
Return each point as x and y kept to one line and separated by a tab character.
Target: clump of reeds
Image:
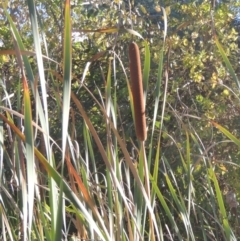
137	91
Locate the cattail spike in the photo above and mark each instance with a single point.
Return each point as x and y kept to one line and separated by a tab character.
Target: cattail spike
137	91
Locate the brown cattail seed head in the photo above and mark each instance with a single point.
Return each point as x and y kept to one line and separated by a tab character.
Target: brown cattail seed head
137	91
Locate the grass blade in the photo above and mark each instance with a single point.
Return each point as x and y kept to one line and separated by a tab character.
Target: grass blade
227	133
29	153
67	73
146	70
227	62
222	209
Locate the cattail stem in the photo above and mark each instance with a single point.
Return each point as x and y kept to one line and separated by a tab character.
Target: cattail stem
137	91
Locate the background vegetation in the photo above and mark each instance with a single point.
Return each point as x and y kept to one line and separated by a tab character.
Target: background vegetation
71	166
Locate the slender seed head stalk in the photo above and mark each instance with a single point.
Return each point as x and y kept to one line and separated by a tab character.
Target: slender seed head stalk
137	91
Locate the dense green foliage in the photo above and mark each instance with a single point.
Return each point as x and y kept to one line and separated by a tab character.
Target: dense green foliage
181	182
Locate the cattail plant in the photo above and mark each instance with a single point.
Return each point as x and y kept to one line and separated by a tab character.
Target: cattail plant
137	91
